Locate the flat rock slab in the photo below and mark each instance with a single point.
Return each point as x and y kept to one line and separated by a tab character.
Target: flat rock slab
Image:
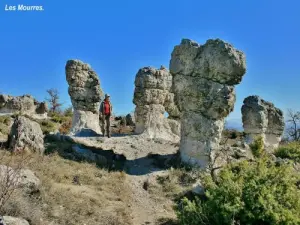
131	146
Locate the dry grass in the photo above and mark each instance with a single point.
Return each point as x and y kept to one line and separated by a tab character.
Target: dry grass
73	193
175	183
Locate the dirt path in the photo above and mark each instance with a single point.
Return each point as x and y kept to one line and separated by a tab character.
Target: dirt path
146	208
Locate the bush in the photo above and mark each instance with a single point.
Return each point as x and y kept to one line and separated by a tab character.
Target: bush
47	126
65	127
68	112
289	151
246	193
257	147
58	118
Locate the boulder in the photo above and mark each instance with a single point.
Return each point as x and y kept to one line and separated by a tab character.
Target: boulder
153	97
262	118
41	108
26	135
9	220
203	85
86	94
20	178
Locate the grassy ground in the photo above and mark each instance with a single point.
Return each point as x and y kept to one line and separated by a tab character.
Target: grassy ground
72	193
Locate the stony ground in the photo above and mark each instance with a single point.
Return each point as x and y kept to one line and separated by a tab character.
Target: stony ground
79	192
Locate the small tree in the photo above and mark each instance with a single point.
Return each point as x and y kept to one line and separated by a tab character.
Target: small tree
293	120
54	100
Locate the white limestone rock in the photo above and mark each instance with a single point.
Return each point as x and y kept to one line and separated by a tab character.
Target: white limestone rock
153	97
203	84
86	94
262	118
26	135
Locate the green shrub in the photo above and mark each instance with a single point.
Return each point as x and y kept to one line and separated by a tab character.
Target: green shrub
257	147
68	112
246	193
60	119
47	126
289	151
65	127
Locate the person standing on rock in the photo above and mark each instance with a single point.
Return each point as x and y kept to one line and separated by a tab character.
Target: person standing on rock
106	112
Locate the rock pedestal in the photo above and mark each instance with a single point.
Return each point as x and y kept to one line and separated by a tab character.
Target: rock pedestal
203	84
153	97
86	94
262	118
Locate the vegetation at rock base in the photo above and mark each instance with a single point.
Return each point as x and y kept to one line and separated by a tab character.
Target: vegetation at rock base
289	151
246	193
257	147
65	127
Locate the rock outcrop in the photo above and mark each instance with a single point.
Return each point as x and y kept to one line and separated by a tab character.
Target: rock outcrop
25	104
153	97
262	118
20	178
203	83
86	94
9	220
26	135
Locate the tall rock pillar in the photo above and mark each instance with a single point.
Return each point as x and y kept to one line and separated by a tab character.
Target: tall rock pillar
203	83
86	94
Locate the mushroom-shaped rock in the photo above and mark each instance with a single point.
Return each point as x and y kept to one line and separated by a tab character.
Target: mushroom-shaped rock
86	94
203	84
153	97
262	118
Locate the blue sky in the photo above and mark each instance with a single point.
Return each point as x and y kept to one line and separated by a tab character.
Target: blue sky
118	37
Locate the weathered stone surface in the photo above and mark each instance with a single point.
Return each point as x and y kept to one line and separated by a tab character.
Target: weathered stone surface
41	108
20	178
9	220
262	118
26	135
86	94
25	104
153	97
203	79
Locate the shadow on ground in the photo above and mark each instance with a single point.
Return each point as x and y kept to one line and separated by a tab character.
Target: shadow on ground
109	159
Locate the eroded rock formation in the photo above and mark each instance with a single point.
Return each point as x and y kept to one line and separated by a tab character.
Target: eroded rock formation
262	118
203	82
25	104
86	94
153	97
26	135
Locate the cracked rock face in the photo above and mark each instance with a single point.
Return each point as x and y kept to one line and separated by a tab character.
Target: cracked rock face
203	83
86	94
26	135
153	97
262	118
25	104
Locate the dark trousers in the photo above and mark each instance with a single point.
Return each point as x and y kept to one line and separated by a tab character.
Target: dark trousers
106	123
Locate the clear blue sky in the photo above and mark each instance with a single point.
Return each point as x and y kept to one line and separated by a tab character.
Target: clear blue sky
118	37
